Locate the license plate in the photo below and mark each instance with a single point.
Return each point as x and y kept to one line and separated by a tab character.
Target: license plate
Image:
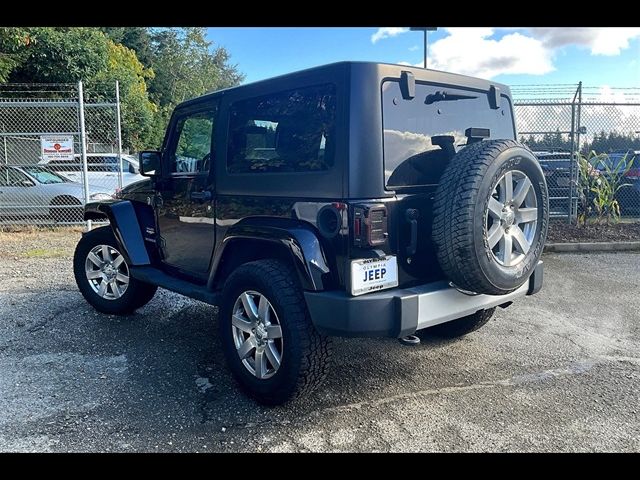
372	274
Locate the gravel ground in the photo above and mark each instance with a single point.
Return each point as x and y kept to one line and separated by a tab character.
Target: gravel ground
557	371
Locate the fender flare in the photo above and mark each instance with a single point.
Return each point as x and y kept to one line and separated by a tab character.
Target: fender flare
299	241
125	226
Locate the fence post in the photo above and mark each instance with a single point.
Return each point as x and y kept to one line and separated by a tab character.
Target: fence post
4	137
83	147
119	134
578	121
577	146
573	158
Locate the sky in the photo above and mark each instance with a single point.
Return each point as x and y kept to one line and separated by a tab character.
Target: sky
596	56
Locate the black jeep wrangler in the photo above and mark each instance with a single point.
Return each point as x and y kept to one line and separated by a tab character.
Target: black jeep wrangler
353	199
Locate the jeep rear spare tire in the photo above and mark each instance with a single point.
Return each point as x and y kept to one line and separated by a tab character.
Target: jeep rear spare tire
491	212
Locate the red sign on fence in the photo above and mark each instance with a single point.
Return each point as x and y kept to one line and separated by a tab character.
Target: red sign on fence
56	147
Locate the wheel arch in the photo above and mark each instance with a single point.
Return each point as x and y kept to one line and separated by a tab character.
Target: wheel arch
125	225
63	197
287	240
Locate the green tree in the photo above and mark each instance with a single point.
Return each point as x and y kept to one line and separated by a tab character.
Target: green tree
137	39
187	65
604	142
12	41
157	69
138	122
60	55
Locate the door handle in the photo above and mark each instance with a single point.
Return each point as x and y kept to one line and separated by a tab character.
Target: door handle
411	215
201	196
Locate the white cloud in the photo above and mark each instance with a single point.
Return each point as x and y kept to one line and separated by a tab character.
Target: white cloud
481	52
387	32
601	41
472	51
414	48
409	64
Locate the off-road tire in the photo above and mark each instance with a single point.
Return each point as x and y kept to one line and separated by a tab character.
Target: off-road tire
459	327
137	293
306	353
460	205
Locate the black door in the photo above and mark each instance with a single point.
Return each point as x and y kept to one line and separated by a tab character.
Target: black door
186	218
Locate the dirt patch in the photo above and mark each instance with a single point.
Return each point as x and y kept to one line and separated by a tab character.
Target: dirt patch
37	243
618	232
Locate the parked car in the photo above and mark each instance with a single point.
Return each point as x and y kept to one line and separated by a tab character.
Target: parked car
557	171
37	191
102	170
354	199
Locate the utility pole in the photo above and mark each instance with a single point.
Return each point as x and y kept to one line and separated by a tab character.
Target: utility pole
425	30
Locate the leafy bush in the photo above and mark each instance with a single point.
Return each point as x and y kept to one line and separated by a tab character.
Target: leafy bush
599	180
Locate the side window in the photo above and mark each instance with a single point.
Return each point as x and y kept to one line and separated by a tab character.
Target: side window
65	167
102	164
13	178
191	149
127	166
291	131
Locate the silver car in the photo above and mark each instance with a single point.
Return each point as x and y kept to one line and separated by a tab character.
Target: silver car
102	170
33	190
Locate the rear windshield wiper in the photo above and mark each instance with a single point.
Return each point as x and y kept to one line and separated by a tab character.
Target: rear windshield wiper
445	96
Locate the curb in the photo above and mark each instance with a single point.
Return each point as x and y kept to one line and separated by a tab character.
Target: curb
592	247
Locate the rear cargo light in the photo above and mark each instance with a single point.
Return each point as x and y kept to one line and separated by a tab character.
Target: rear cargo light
369	225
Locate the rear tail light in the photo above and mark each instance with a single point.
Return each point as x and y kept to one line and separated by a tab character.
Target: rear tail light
633	173
369	225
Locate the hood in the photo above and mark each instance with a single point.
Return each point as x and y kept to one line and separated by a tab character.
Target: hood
72	188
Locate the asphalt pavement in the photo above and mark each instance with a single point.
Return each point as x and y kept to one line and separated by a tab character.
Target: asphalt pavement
559	371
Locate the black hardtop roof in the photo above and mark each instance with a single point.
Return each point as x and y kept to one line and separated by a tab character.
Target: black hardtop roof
389	69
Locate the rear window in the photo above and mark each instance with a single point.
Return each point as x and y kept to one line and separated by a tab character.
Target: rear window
421	134
290	131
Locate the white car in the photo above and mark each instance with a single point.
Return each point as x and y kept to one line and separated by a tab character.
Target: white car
102	170
32	190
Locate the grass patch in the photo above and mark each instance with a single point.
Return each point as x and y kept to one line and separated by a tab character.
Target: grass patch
44	253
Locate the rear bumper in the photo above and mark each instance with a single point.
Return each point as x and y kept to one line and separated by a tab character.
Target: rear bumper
399	312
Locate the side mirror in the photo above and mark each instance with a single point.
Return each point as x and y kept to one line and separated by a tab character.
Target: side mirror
150	163
28	183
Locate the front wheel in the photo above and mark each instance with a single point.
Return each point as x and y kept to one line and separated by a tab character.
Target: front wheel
103	276
269	341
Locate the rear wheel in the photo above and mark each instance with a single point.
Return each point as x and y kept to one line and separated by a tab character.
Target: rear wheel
269	341
103	276
458	328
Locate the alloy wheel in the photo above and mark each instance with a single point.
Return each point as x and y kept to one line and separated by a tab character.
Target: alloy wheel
107	272
257	334
511	218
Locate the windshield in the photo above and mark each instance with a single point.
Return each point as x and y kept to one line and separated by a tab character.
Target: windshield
42	175
421	134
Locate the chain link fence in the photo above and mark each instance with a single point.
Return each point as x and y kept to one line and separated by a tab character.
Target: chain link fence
563	125
40	185
58	151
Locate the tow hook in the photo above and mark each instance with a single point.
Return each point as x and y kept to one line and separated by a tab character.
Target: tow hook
409	340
